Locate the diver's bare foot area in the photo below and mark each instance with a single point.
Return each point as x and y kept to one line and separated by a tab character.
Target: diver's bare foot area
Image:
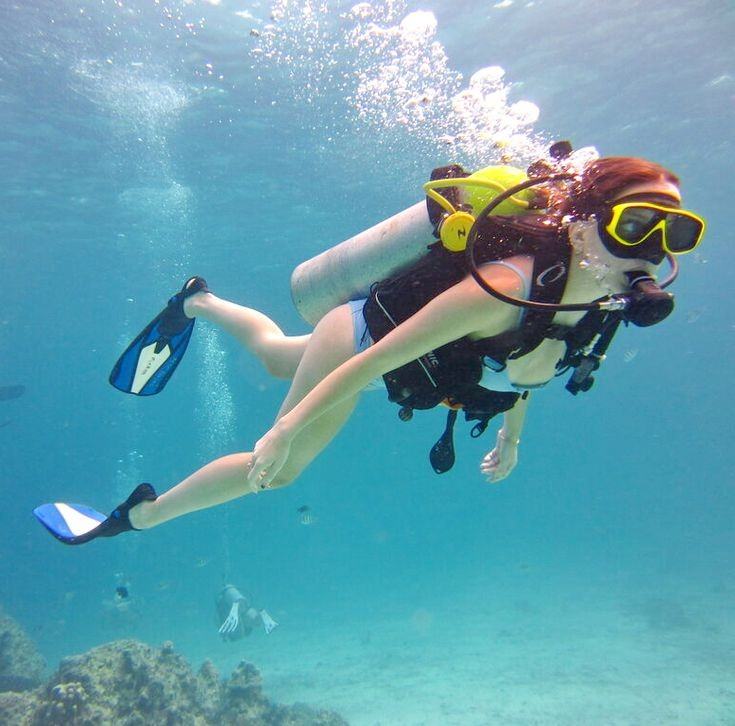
196	303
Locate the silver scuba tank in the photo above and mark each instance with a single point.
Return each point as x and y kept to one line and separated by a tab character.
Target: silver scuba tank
346	271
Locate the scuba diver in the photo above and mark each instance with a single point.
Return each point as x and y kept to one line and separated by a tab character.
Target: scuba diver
237	617
122	604
526	276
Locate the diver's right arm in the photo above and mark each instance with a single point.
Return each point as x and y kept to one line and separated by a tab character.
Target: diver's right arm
464	309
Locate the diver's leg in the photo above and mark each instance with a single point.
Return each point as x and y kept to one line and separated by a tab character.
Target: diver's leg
331	345
226	478
215	483
279	353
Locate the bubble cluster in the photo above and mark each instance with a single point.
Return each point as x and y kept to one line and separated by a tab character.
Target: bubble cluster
143	103
129	465
383	70
168	201
217	413
144	99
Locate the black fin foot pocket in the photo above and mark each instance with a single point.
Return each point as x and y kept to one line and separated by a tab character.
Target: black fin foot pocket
142	493
119	520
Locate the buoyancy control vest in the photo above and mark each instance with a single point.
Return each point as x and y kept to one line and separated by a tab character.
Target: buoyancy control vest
451	374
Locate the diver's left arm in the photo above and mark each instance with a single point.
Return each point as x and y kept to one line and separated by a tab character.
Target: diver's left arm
501	461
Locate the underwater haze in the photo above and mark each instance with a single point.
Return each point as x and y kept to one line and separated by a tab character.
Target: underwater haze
146	141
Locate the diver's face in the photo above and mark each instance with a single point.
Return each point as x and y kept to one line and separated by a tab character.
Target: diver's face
651	250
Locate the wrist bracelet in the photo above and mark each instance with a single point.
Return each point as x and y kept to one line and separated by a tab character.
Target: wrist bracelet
502	435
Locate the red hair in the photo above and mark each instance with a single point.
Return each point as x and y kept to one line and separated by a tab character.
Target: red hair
604	179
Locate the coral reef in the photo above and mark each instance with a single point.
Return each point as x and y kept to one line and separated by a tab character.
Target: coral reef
131	684
21	665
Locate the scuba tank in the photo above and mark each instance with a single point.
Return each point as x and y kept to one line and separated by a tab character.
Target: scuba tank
347	271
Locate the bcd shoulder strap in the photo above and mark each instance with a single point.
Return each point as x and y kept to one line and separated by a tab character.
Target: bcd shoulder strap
551	251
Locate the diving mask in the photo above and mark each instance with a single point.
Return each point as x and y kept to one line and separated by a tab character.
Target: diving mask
646	227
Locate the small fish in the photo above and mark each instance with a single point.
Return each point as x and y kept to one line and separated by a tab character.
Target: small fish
9	392
202	561
121	592
630	355
694	315
306	517
4	424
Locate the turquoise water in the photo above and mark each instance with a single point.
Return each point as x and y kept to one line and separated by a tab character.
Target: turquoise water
147	141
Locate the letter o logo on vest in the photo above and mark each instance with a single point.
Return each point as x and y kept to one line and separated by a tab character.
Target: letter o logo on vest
551	274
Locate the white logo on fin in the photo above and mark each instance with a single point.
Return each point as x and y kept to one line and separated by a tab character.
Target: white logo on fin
148	363
77	522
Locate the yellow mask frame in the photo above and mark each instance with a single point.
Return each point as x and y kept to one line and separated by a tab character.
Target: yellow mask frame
661	222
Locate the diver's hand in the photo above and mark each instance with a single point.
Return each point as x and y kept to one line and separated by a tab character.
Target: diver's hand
269	456
232	620
501	461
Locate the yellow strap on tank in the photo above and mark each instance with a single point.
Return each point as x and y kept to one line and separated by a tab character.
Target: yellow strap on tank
430	187
443	202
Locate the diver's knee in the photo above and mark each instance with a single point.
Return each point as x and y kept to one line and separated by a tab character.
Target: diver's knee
269	349
279	368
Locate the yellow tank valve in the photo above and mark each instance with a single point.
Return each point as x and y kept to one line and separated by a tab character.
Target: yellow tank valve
454	230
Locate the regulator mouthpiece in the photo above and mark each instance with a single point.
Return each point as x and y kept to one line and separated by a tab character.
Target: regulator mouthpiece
647	304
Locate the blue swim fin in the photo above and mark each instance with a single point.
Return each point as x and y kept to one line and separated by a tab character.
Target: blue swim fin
75	524
150	360
66	522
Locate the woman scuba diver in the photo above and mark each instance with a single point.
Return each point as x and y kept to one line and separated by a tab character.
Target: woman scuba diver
495	309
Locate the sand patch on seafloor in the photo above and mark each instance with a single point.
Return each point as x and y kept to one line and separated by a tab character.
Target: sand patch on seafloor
635	659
